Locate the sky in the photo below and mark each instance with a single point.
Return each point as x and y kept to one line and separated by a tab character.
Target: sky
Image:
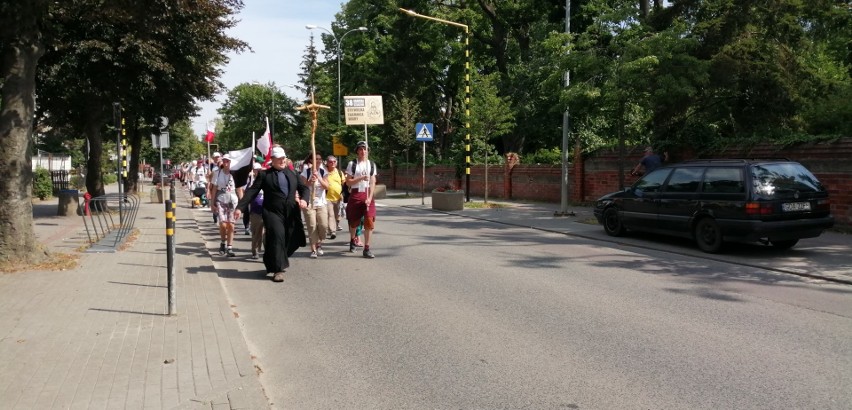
275	31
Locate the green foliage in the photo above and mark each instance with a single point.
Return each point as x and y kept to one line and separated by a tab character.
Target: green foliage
544	156
244	114
42	184
491	117
154	58
109	178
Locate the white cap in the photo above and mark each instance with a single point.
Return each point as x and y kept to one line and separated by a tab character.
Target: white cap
216	154
278	152
227	156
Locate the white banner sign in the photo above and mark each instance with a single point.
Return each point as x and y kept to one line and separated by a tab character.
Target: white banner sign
364	109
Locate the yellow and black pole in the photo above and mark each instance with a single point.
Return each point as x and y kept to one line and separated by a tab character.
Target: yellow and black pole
467	90
172	196
170	254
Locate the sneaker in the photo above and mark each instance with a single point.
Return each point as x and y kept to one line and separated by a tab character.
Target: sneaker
332	236
222	248
248	232
320	251
351	246
339	228
231	253
254	255
313	255
278	277
368	254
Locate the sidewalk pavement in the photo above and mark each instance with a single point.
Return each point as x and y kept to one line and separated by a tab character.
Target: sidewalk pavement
99	336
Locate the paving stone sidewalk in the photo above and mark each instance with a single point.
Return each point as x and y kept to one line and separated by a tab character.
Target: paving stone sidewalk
100	336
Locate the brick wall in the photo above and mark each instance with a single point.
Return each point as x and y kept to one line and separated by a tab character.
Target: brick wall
603	171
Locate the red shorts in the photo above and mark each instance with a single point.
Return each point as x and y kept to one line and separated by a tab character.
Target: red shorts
357	208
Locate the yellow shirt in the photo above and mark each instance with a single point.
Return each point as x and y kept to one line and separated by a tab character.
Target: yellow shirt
335	186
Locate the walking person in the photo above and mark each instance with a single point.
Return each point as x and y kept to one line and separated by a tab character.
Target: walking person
213	166
255	216
650	161
361	178
197	174
223	190
334	196
316	216
284	230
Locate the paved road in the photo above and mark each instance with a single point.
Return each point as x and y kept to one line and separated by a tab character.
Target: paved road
490	308
456	312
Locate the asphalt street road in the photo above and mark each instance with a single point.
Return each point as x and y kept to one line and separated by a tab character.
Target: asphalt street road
470	314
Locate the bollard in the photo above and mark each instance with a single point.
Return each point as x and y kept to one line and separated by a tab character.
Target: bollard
170	256
88	197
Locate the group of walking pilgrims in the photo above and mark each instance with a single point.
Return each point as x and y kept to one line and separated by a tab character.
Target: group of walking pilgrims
283	209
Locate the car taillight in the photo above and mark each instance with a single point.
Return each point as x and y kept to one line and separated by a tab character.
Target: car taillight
758	208
823	205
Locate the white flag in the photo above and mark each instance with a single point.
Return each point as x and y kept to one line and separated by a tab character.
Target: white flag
264	145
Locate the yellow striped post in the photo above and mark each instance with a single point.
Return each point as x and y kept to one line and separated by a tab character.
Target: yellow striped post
170	254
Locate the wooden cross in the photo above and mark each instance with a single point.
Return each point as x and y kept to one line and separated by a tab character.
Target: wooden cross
313	108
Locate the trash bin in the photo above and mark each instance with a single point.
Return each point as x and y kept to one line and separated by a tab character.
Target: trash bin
69	202
156	195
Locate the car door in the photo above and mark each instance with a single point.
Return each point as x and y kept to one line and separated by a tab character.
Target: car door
678	199
639	209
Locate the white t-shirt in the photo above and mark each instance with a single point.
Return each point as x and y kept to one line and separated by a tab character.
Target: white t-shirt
319	191
361	168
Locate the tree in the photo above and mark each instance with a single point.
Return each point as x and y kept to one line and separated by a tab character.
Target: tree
405	114
491	116
20	50
86	55
317	83
154	59
243	115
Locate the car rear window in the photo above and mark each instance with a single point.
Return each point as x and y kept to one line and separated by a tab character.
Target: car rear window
773	180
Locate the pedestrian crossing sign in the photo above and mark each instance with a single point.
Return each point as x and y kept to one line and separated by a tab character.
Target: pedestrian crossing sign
423	132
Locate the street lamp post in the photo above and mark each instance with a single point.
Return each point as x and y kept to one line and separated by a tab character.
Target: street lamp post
339	56
467	67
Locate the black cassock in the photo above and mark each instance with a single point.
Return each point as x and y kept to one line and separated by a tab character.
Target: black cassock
281	216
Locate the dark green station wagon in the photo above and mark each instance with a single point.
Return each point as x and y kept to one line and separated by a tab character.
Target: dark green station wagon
773	201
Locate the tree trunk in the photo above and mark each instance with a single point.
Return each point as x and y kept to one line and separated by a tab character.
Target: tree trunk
134	143
20	53
94	175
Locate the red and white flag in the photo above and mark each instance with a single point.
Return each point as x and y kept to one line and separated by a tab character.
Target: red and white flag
264	145
210	131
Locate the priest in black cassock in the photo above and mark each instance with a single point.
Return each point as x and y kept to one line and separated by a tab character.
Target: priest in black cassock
281	214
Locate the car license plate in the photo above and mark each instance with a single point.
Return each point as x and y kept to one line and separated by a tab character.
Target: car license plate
796	206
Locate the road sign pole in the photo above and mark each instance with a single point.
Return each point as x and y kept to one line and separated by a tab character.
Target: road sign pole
423	177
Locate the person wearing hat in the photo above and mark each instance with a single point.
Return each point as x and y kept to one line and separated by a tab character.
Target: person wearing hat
361	178
224	192
197	174
281	216
650	161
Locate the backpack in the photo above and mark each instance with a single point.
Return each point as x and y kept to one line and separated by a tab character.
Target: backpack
344	191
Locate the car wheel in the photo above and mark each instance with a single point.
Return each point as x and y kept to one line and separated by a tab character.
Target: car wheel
784	244
612	222
708	236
